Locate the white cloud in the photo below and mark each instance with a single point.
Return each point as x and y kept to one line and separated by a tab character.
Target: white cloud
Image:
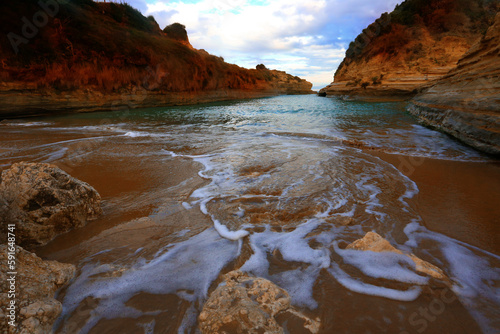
305	38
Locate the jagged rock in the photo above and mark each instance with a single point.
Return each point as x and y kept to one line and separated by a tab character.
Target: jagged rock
44	201
36	283
247	304
375	243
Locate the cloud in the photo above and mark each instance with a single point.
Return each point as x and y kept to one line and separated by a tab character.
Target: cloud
304	38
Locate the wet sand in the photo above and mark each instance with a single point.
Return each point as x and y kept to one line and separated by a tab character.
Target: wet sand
456	198
122	230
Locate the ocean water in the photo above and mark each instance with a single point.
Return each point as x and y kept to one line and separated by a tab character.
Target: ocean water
284	183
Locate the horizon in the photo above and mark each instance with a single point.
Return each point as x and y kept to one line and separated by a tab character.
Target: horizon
308	40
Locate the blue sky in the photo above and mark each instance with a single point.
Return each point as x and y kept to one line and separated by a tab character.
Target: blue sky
306	38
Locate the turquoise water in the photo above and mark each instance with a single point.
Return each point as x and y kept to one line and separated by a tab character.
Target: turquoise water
385	126
282	174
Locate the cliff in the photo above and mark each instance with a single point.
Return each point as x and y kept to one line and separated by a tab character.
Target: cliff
80	55
466	102
401	53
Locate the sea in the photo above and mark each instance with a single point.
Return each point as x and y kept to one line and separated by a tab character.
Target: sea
278	188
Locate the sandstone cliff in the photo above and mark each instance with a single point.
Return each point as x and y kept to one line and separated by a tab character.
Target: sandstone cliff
87	56
404	51
466	102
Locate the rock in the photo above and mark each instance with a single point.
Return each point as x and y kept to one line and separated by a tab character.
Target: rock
44	201
465	103
36	283
401	53
164	71
247	304
375	243
177	32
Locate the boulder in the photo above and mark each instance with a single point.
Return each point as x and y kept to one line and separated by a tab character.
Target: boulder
44	201
36	282
245	304
375	243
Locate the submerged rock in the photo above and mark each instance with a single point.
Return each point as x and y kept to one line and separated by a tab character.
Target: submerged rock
375	243
44	201
36	282
247	304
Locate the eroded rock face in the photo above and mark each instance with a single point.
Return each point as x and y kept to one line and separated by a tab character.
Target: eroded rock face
44	201
401	53
247	304
465	103
375	243
36	283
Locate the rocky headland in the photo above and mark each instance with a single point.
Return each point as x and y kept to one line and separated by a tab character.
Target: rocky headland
466	102
403	52
92	56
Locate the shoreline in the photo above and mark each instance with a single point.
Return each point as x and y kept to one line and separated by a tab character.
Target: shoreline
462	210
38	103
146	185
126	231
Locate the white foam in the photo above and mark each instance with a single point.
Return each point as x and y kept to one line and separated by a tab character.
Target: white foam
56	155
293	247
368	289
191	265
475	273
135	134
27	124
240	213
388	265
231	235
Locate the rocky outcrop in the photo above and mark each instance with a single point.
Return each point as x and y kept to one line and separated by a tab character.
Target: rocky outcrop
122	59
466	102
177	32
36	282
375	243
401	53
43	201
245	304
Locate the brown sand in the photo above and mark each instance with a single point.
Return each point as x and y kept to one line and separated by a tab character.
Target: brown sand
458	199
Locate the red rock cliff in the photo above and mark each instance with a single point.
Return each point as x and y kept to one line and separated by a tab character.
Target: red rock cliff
88	56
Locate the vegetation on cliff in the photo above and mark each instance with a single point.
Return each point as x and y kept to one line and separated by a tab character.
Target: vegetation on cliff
419	41
70	44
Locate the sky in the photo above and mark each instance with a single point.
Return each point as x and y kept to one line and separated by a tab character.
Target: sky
306	38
